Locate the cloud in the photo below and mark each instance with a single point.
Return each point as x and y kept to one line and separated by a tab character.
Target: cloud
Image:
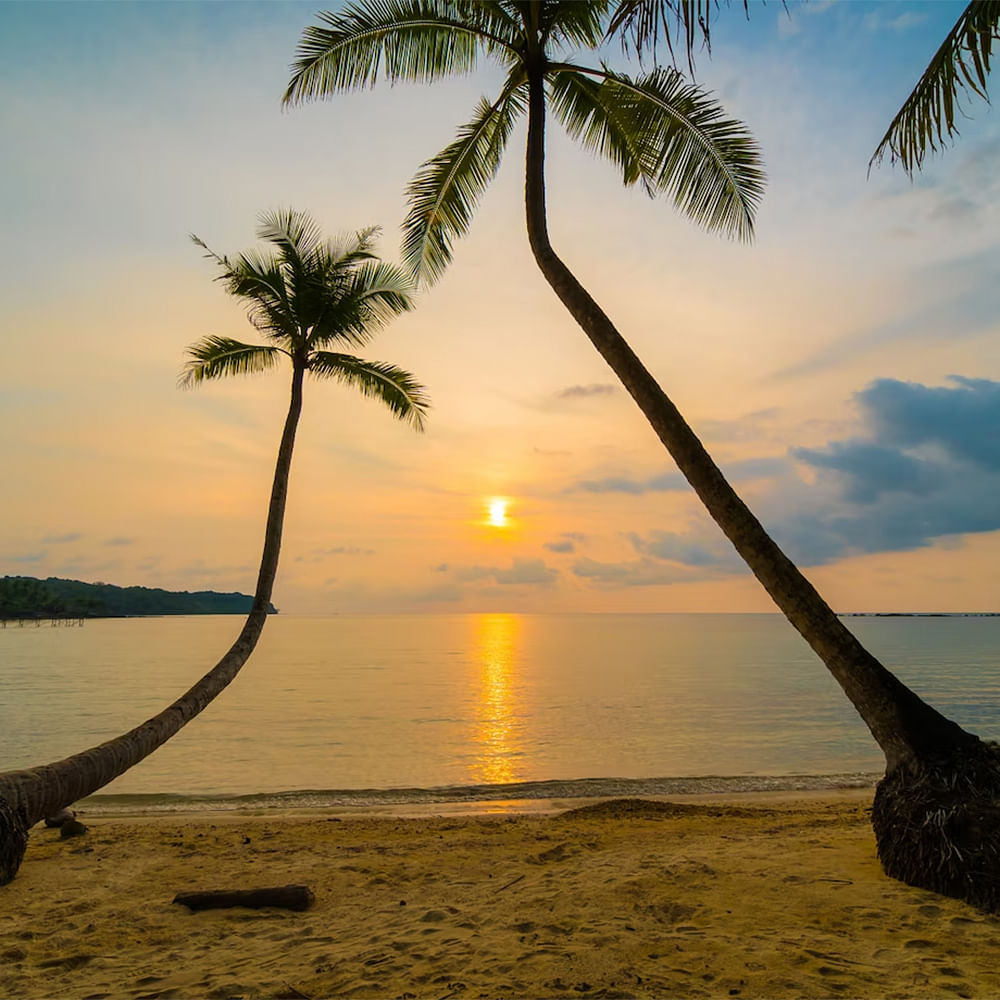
563	546
566	542
521	571
870	470
587	391
962	420
72	536
25	557
120	541
923	470
929	468
637	573
878	21
713	551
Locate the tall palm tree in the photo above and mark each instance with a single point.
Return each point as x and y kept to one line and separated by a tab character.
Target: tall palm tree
305	295
674	139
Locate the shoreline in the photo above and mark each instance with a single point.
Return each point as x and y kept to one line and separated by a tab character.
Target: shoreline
473	798
765	895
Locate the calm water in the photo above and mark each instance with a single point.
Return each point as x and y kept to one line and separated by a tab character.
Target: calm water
390	702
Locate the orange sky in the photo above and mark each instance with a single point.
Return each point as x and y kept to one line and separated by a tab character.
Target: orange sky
787	356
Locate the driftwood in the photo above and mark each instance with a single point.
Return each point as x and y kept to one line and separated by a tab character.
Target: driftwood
288	897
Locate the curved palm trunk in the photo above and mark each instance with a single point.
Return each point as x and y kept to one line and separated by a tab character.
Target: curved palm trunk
920	744
30	795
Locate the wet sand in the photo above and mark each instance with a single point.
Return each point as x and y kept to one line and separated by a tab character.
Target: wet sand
765	896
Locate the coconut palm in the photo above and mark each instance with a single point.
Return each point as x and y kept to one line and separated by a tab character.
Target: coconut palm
306	295
673	139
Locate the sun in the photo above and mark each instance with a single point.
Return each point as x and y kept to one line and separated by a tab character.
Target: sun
497	507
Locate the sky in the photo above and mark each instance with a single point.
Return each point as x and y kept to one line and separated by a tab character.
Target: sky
843	368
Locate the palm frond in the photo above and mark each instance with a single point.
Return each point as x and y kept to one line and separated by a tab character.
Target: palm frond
296	234
343	251
318	282
602	126
416	40
373	294
397	389
640	24
258	280
959	67
709	164
576	24
444	193
219	357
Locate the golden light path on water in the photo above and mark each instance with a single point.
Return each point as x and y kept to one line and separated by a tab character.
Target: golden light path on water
495	638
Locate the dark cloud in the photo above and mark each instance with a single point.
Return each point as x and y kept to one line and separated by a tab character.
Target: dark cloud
870	470
72	536
562	546
929	468
566	542
962	420
586	391
26	557
120	541
925	470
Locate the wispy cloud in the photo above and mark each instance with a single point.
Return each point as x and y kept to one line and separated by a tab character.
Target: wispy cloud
587	391
72	536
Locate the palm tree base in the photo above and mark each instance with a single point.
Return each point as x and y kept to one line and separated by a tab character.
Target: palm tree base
13	841
937	825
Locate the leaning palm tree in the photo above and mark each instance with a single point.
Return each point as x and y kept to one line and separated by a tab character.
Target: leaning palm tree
305	295
673	139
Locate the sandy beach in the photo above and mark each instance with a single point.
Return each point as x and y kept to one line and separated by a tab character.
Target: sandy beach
756	897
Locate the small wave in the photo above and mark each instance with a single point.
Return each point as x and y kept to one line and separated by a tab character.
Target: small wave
581	788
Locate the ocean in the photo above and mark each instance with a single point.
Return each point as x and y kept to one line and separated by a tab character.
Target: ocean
391	709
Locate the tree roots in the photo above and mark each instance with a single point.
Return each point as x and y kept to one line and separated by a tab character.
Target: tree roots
13	841
937	825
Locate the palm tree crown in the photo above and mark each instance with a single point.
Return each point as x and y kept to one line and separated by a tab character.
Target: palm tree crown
660	132
306	295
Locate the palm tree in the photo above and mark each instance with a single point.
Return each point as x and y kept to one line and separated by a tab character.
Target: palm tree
305	295
674	139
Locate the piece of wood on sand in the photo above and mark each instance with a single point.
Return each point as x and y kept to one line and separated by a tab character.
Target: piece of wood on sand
288	897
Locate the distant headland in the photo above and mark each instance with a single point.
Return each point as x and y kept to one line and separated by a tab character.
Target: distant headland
24	597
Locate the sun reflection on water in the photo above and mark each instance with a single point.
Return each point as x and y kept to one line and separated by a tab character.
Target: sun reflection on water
496	733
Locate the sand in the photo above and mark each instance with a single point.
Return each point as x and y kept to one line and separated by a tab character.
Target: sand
769	898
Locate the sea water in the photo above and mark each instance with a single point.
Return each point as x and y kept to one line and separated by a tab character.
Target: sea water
398	708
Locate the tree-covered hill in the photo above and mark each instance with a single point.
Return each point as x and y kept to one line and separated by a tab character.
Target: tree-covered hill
28	597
